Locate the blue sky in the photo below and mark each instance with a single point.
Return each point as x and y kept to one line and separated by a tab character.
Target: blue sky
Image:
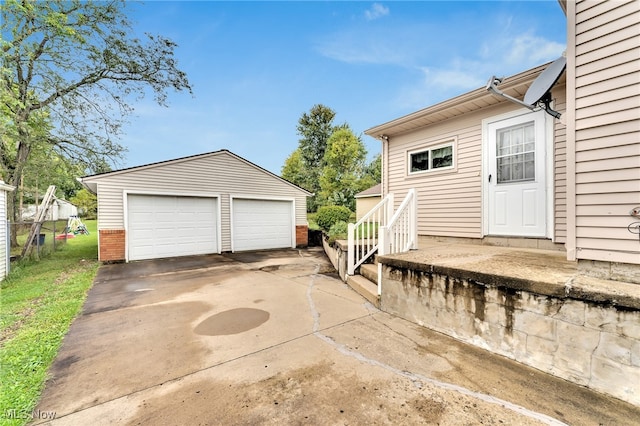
256	67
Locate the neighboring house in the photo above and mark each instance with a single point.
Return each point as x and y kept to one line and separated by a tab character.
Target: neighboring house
59	210
367	199
208	203
5	249
485	167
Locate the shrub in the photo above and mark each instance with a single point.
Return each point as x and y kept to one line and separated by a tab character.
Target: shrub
338	231
328	215
311	220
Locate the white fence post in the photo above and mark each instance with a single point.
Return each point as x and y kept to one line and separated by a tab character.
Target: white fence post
8	249
351	249
382	250
389	210
414	220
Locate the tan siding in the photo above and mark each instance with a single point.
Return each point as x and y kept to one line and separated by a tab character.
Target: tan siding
220	174
617	59
449	202
618	16
624	45
365	204
560	168
608	40
621	81
607	137
607	73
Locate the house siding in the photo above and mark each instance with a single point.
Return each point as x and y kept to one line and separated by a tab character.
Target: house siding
560	167
450	201
365	204
218	174
606	69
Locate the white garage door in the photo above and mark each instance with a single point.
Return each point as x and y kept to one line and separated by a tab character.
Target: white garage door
167	226
262	224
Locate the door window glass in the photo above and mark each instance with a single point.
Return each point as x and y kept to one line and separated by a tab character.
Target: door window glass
515	153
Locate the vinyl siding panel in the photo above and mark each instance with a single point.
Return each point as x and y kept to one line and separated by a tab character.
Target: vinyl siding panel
365	204
560	167
449	201
220	174
607	136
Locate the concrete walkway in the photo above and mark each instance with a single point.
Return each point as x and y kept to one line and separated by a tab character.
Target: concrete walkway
277	338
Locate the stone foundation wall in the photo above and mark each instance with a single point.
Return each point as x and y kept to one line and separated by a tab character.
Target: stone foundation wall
588	342
626	272
337	254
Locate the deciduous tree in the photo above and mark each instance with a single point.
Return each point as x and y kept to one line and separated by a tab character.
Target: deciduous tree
344	165
293	169
70	70
314	129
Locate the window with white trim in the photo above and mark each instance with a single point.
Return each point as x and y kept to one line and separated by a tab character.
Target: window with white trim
436	158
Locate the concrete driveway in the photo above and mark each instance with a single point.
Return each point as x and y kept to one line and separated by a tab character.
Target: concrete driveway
275	337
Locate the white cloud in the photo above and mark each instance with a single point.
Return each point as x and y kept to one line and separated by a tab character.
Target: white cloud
532	50
446	79
439	64
376	11
359	47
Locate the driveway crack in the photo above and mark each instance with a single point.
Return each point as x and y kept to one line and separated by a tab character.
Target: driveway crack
416	379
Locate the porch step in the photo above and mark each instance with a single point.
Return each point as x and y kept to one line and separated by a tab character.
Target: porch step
370	272
365	288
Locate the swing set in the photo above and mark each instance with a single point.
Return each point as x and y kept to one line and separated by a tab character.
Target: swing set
75	226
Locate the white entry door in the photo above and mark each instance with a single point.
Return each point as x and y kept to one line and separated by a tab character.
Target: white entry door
516	176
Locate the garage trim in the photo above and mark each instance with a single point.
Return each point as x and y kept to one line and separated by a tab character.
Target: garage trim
126	193
265	198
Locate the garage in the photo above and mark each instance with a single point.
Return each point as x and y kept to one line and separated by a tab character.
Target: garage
259	224
215	202
166	226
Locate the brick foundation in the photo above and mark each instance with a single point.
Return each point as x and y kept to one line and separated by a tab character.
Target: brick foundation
112	245
302	235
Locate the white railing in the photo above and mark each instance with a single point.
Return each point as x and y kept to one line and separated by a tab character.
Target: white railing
384	232
363	235
401	233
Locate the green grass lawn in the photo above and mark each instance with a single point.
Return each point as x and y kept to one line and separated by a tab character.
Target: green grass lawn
39	300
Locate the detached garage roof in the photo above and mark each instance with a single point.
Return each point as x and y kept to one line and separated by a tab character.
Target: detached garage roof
90	181
374	191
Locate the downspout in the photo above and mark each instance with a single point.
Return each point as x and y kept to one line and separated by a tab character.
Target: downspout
383	165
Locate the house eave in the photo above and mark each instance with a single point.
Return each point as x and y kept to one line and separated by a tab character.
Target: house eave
515	86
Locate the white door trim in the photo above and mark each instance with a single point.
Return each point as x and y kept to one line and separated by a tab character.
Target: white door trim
265	198
125	210
548	163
